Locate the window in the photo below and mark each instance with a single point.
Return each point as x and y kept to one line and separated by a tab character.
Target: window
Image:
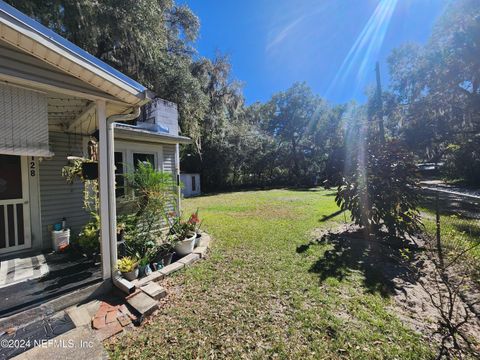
119	178
143	158
194	184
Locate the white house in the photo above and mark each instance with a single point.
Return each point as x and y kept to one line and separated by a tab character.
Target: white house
53	96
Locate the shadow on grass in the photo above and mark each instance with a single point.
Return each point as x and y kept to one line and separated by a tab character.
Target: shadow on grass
378	261
331	216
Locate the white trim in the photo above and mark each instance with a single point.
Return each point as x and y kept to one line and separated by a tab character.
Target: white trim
129	148
22	37
25	202
103	190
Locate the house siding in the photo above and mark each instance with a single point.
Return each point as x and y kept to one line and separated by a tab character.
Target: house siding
169	158
59	199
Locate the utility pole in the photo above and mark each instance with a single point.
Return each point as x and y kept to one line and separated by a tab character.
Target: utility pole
380	103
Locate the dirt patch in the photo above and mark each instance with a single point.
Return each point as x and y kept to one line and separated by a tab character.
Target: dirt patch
406	273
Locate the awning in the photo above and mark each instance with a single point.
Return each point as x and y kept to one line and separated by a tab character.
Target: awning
23	122
135	133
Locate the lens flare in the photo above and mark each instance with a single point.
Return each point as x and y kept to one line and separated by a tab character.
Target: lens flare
365	50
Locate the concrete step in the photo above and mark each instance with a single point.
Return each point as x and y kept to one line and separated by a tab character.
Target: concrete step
142	303
154	290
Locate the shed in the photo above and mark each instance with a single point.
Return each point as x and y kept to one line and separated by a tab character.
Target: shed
191	184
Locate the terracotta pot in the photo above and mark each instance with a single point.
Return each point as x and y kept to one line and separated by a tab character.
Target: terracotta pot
186	246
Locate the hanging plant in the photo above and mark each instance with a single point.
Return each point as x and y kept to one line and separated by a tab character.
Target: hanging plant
80	168
90	170
73	171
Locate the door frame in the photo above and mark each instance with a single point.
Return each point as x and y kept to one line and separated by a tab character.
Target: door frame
25	201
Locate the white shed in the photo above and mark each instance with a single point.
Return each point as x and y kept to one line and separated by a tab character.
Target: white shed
191	184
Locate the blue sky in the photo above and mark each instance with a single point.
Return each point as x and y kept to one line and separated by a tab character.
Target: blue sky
331	44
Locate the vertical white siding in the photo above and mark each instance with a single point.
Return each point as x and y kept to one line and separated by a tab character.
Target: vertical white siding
59	199
169	158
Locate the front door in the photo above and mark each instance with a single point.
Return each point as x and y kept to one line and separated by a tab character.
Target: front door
14	204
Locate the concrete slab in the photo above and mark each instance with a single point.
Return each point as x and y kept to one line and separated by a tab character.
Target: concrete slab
200	250
167	270
189	259
153	277
143	303
77	344
154	290
205	240
79	315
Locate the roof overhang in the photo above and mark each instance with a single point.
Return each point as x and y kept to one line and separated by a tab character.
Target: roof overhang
26	34
131	133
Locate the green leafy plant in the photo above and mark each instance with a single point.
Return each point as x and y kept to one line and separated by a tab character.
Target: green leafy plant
179	227
381	191
127	264
154	192
144	261
88	239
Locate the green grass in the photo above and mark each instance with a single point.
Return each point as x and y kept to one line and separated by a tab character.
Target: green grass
256	297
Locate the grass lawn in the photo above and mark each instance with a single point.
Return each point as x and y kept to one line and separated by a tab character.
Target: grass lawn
256	297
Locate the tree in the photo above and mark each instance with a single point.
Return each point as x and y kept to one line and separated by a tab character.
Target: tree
437	90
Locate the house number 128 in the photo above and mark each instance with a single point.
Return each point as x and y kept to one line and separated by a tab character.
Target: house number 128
32	167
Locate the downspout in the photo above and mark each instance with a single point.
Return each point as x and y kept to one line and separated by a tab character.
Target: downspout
118	281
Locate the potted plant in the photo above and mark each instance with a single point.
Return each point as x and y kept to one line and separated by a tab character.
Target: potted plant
88	239
195	224
166	250
90	170
128	266
184	234
144	266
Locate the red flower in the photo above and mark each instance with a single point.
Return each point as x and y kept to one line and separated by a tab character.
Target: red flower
194	219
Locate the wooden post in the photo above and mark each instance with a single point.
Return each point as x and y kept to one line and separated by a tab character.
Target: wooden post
438	234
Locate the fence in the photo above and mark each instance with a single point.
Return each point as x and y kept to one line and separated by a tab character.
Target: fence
452	222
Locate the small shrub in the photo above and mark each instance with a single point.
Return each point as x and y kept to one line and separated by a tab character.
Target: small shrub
127	264
381	191
89	238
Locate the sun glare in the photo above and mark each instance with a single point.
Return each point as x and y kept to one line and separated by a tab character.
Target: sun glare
364	52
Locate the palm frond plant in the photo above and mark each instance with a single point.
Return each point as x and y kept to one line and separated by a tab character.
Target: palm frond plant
153	193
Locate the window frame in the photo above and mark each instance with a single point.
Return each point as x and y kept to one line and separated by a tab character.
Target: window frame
130	148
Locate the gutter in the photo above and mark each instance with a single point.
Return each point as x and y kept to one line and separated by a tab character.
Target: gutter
118	281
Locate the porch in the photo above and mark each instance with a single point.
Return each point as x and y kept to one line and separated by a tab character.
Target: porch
27	281
53	97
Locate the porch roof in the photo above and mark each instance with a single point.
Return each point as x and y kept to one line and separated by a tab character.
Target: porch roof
130	132
24	33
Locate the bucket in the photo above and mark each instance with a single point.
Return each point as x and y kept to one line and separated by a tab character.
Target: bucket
60	239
